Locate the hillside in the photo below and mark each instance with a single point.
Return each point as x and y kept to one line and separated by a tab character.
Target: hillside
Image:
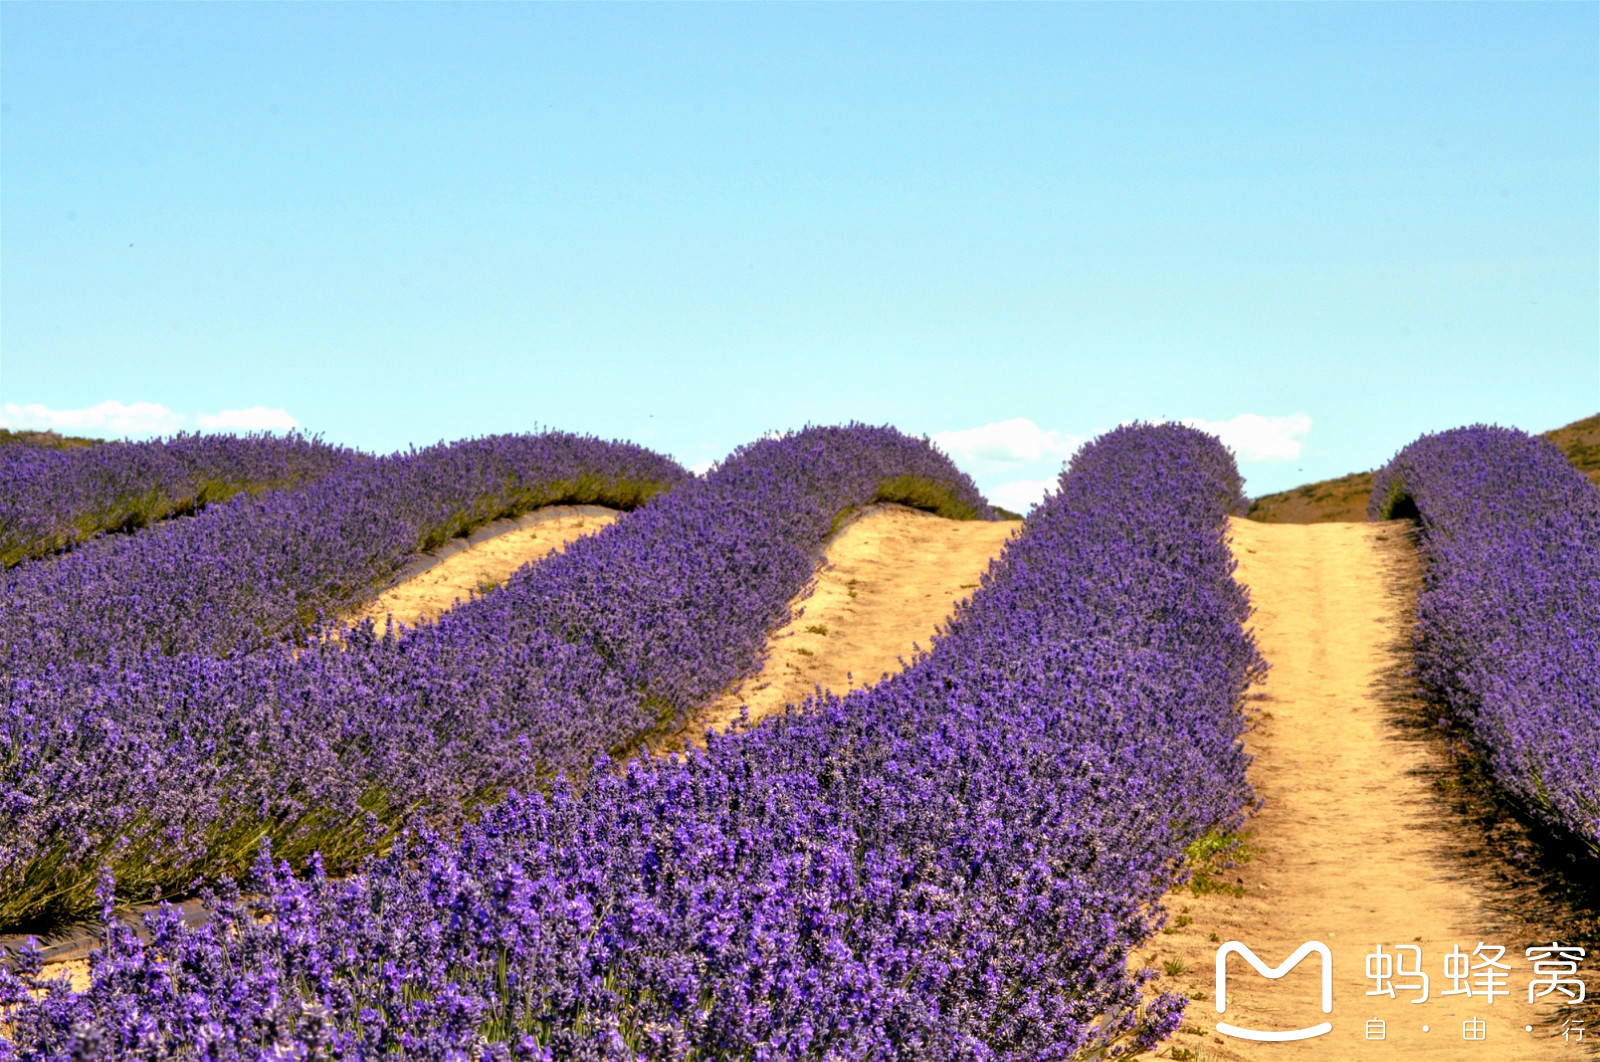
1345	498
47	439
1581	442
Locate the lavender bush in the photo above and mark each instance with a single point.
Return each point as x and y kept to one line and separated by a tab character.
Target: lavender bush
1508	618
171	766
54	498
252	568
955	864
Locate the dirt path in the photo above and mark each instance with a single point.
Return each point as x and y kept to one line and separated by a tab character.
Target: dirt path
891	578
488	559
1351	847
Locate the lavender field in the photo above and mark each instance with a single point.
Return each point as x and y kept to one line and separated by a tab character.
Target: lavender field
154	727
463	839
952	864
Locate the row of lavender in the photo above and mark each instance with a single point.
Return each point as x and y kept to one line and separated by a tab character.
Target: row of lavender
174	766
955	864
255	567
51	499
1508	619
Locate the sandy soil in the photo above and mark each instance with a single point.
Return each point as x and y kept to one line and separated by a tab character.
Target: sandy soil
479	568
1351	847
890	579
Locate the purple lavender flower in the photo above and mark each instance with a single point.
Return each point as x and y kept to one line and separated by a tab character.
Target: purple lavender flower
254	568
1508	618
51	499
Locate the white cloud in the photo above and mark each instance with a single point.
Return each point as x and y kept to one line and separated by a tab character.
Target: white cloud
1021	495
256	418
137	419
107	418
1257	438
1005	444
700	468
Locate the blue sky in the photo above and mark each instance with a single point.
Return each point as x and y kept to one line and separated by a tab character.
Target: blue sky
1009	226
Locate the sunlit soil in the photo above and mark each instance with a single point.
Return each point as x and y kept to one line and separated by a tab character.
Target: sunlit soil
481	568
890	580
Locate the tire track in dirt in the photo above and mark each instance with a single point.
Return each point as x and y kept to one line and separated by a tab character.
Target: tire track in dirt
1351	847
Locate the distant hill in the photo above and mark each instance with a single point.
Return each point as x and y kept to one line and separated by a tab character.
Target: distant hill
48	439
1581	441
1345	498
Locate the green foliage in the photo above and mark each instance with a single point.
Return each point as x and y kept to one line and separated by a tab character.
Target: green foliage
622	494
1208	856
925	494
47	894
1397	504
